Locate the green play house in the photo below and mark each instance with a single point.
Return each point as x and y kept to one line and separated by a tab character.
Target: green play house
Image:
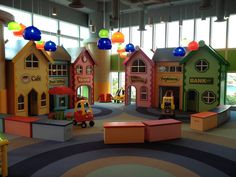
204	80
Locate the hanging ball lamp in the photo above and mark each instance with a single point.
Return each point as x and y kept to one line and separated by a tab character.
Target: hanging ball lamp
20	32
32	33
40	44
13	26
179	52
123	55
120	48
193	46
104	44
103	33
118	37
129	48
50	46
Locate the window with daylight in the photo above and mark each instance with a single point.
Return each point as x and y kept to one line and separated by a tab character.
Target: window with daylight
31	62
62	101
148	37
138	66
125	31
201	66
173	34
58	70
46	23
79	69
89	69
232	36
84	34
21	102
203	30
143	93
218	37
69	29
187	32
208	97
135	36
160	35
43	99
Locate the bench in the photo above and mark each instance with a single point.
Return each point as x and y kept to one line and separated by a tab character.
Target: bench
57	130
223	113
158	130
18	125
123	132
203	121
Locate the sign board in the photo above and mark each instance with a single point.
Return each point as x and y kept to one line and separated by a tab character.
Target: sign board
26	78
83	79
201	80
138	79
169	79
56	81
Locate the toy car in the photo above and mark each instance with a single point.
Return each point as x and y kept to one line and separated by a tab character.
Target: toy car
167	105
83	113
120	95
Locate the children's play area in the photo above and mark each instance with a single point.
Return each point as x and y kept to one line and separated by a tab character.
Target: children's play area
104	97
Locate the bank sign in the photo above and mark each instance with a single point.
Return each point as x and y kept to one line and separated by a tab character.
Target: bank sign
201	80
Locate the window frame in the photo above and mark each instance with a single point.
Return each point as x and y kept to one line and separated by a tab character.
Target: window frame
20	103
31	59
138	66
201	65
89	70
143	92
208	97
43	100
80	69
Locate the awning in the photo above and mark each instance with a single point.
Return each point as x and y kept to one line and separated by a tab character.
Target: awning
62	90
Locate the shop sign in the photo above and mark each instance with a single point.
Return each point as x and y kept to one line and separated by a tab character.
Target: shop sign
56	81
201	80
83	79
25	78
169	79
138	79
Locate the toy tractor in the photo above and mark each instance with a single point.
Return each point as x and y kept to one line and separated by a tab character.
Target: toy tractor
167	105
83	113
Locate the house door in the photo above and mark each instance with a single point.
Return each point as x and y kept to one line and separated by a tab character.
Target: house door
84	91
32	103
131	95
192	101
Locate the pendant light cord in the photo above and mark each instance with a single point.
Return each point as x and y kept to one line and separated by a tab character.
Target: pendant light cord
32	15
104	15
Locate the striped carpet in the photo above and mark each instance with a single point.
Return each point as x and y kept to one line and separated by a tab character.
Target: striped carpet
208	154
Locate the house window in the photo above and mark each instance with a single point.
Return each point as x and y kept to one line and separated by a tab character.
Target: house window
201	66
62	101
21	102
138	66
31	62
79	69
58	70
43	99
89	69
143	93
208	97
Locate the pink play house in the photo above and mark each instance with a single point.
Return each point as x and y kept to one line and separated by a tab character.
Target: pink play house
82	81
139	79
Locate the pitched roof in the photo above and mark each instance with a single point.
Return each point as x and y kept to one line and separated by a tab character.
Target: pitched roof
84	51
138	50
213	52
60	54
14	48
165	54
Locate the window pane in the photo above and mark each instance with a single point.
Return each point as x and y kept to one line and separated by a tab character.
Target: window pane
84	33
125	31
135	36
232	29
148	37
69	43
187	31
47	37
218	38
69	29
202	30
173	34
45	23
231	89
160	35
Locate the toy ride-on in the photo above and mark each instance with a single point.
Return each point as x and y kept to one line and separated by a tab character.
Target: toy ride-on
83	113
167	105
120	95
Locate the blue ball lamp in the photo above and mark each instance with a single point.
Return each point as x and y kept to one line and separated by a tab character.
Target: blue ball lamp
32	33
129	48
179	52
50	46
104	44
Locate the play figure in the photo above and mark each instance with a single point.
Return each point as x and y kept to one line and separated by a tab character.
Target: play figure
167	105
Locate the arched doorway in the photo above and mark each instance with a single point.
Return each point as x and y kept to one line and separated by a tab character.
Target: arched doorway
32	103
132	95
192	101
84	91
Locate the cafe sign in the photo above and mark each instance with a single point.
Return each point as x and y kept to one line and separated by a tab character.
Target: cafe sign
26	78
83	79
169	79
56	81
201	80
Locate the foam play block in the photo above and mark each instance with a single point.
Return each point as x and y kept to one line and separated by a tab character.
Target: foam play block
204	121
19	125
159	130
123	132
223	113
